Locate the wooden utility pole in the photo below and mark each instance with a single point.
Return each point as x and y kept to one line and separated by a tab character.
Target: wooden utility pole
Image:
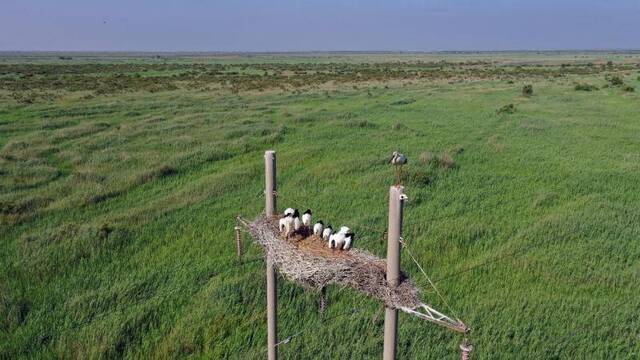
272	295
270	181
396	199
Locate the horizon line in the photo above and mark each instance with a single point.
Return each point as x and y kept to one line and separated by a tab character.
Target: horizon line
270	52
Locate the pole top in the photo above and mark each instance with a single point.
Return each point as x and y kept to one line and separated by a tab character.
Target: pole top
397	190
269	152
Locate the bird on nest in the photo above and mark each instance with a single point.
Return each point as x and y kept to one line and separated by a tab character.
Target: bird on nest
297	223
342	240
286	225
306	219
327	232
318	228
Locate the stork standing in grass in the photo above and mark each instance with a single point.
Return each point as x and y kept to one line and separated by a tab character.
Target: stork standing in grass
318	228
398	160
327	232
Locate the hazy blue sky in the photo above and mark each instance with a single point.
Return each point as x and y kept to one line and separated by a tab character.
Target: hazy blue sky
277	25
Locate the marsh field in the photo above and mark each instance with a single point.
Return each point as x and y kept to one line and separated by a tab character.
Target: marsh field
121	175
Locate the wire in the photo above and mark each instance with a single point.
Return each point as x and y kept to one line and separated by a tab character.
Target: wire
428	279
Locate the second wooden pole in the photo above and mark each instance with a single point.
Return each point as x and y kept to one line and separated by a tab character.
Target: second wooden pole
393	268
272	294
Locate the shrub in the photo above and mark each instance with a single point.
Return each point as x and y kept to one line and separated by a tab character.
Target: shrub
166	170
420	177
527	90
585	87
426	158
361	124
403	102
446	161
616	81
158	173
507	109
629	88
104	231
398	126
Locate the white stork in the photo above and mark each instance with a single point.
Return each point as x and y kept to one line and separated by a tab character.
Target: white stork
398	160
306	219
327	232
344	229
348	240
297	223
283	222
286	225
318	228
336	241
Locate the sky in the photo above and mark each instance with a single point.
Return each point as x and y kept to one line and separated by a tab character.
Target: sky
318	25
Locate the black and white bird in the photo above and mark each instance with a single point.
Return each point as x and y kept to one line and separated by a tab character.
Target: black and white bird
297	223
327	232
306	219
344	229
289	211
318	228
283	222
286	225
398	160
348	240
336	241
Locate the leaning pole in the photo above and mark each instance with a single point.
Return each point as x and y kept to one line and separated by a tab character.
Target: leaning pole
270	210
396	200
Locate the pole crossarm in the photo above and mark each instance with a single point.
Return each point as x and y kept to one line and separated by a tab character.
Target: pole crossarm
430	314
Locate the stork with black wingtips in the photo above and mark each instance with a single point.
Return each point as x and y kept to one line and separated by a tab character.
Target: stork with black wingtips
398	160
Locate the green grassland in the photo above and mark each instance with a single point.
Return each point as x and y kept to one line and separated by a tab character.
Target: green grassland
120	178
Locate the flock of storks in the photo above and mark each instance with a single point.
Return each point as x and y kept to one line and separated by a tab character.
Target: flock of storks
292	223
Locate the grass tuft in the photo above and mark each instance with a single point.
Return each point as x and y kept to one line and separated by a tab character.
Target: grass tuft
585	87
403	102
507	109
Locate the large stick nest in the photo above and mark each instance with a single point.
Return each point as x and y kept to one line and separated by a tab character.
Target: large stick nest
306	260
